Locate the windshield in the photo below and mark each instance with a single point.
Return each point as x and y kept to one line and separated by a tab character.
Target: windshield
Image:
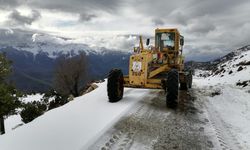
165	40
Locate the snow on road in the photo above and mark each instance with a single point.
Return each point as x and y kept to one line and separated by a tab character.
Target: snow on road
228	108
74	125
218	118
234	107
153	126
228	103
213	115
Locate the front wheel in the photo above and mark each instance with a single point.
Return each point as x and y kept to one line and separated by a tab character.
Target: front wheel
172	88
115	85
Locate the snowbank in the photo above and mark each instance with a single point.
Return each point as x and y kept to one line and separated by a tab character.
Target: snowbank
233	105
74	125
12	122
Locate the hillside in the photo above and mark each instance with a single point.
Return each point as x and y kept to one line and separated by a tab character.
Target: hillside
211	65
34	72
34	55
233	69
72	126
225	90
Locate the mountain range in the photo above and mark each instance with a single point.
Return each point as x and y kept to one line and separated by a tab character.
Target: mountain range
34	57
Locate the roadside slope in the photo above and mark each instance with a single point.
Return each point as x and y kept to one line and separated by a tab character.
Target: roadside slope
226	93
73	125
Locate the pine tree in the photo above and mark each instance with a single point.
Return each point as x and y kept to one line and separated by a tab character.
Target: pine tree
4	67
8	94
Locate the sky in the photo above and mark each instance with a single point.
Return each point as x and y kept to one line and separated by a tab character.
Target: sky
211	28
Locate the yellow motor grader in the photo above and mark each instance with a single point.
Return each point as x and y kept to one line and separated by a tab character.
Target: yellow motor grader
155	67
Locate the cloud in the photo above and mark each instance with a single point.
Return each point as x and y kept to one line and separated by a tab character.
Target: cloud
16	18
212	7
86	17
10	37
211	28
202	28
179	17
9	4
158	21
77	6
201	25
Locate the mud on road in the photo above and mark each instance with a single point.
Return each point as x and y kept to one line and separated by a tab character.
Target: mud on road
150	125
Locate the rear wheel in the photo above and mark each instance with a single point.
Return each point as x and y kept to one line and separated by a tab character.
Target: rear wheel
172	88
115	85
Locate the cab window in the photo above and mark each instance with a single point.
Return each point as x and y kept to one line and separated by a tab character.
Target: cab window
165	40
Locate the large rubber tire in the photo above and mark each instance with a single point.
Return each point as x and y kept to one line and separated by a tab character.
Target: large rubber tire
115	85
172	88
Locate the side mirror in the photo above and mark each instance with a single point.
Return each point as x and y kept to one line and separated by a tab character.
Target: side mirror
148	41
182	41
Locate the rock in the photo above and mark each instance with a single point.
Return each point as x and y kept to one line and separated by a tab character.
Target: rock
243	83
240	68
71	97
92	87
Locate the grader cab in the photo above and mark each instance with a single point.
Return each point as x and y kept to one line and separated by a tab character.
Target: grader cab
155	67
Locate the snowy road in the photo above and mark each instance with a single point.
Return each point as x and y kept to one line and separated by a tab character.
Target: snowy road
208	117
150	125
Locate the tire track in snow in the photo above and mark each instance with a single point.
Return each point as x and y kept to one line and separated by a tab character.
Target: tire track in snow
121	140
184	128
150	125
225	137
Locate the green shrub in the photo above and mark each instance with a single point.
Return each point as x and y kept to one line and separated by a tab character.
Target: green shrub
58	99
32	110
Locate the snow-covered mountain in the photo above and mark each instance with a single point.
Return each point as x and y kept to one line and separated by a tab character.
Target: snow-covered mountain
52	45
34	56
35	72
210	65
233	68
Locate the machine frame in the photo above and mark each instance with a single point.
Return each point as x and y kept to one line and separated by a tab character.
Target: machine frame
149	75
156	67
